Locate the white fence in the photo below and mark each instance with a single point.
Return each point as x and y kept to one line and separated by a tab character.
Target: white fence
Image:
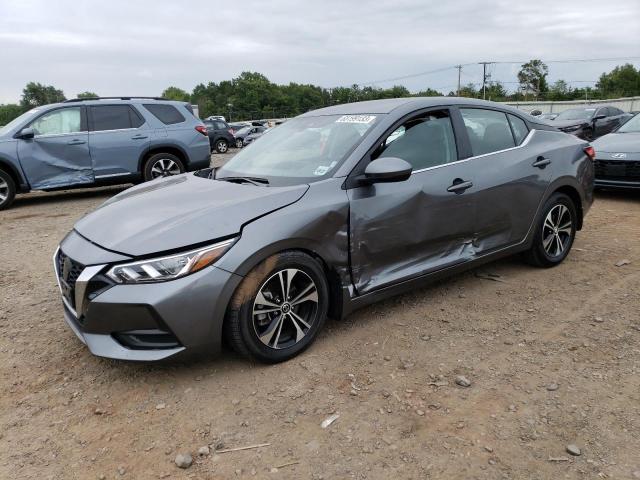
628	104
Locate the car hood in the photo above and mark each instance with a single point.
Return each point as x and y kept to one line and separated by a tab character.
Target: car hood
179	212
618	142
567	123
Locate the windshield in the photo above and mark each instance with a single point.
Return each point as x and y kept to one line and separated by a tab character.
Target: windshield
576	114
17	121
304	149
632	126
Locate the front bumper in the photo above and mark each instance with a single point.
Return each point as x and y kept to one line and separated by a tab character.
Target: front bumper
145	322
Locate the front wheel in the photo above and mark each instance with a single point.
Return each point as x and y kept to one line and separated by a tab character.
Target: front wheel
555	232
7	190
279	308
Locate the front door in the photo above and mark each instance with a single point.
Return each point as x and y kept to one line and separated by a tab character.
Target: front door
406	229
58	155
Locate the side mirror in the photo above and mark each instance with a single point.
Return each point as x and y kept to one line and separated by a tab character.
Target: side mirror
26	133
386	170
599	117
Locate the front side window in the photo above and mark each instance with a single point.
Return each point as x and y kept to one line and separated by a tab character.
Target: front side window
424	142
519	128
303	150
111	117
61	121
488	130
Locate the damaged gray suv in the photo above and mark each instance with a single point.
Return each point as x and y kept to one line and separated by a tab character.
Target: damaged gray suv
333	210
100	141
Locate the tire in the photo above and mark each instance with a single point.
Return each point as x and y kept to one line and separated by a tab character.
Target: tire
7	190
222	146
555	232
162	165
239	143
284	329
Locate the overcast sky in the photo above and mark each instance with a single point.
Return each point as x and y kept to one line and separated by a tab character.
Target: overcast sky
139	47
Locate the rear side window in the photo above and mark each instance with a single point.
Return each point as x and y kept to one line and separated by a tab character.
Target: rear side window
488	130
519	128
114	117
426	141
220	125
167	114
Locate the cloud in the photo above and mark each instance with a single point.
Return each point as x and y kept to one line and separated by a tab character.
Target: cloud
141	47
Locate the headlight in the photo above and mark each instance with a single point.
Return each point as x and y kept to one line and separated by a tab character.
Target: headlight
170	267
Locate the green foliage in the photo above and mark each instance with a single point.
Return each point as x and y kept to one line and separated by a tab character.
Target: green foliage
622	81
533	77
9	112
35	94
88	94
175	93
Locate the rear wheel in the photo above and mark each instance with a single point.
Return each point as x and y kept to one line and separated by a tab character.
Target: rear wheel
279	308
162	165
222	146
555	232
7	190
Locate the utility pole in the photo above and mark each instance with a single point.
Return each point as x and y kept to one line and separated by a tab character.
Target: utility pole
484	78
459	67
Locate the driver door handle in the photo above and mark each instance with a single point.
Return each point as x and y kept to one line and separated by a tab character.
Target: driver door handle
541	162
139	137
76	141
459	186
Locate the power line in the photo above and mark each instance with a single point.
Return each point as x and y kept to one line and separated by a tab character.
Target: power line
404	77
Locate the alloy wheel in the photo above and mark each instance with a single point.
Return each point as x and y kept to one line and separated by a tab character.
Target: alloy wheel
557	230
4	190
164	167
222	147
285	308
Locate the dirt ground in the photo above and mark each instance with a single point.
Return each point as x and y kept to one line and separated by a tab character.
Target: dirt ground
553	357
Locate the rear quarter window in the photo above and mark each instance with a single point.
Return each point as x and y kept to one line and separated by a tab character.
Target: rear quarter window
519	128
167	114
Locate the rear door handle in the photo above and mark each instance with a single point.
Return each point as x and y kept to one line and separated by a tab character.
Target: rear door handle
139	137
459	186
541	162
76	141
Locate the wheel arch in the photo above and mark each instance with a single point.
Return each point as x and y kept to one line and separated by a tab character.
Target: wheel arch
574	195
164	148
12	171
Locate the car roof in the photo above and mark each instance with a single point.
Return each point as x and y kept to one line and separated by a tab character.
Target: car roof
388	105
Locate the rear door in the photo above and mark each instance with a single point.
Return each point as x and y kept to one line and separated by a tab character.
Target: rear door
510	169
118	138
58	155
406	229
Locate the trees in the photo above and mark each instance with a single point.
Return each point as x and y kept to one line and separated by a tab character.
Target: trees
533	77
36	94
622	81
87	94
175	93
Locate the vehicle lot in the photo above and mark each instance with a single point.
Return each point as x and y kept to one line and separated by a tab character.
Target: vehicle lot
388	370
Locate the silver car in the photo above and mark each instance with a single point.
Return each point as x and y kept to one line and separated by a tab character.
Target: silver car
333	210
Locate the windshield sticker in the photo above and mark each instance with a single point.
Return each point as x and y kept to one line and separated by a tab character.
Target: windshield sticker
321	170
356	119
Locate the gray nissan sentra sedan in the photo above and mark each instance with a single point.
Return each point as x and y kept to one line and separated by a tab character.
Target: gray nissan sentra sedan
333	210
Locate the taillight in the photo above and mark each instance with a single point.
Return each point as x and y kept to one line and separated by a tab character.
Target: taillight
202	129
231	131
591	152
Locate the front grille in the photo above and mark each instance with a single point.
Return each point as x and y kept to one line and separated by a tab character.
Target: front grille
626	171
68	272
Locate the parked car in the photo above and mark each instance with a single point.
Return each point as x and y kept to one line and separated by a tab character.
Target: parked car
239	126
590	123
216	117
252	137
221	135
84	143
548	116
262	249
618	157
244	132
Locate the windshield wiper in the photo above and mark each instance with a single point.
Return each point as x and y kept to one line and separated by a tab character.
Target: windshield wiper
252	180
